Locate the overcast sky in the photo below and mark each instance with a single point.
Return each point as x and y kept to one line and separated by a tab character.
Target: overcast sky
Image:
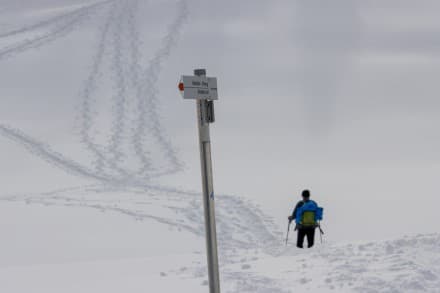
337	96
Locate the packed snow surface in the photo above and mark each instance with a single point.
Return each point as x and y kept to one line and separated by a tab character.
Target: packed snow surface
253	256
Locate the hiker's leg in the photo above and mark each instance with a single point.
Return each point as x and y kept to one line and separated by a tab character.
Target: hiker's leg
310	237
300	240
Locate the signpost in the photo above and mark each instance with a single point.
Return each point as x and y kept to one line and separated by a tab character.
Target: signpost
204	90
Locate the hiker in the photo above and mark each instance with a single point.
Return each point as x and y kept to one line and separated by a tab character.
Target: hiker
307	215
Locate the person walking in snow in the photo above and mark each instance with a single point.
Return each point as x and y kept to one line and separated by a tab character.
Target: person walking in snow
307	215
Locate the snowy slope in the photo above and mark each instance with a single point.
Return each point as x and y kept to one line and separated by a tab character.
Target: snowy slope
169	255
97	209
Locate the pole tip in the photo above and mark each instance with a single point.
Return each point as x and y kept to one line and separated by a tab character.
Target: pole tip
200	72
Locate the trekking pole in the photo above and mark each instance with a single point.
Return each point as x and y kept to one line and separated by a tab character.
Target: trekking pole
288	229
320	231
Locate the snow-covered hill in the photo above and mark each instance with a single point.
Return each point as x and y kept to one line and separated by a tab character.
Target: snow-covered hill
168	253
95	194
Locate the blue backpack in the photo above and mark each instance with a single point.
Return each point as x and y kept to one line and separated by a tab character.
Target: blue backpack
309	214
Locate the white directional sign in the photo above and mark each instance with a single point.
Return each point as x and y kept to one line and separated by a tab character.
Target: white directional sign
198	87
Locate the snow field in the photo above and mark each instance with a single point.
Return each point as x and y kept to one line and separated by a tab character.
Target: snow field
252	259
152	236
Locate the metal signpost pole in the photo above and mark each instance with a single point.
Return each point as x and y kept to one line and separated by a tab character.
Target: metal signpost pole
204	117
204	90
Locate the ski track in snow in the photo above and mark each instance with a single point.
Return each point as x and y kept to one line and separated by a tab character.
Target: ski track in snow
87	111
141	152
44	152
120	87
148	102
107	157
57	28
251	231
40	40
241	226
147	120
54	20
